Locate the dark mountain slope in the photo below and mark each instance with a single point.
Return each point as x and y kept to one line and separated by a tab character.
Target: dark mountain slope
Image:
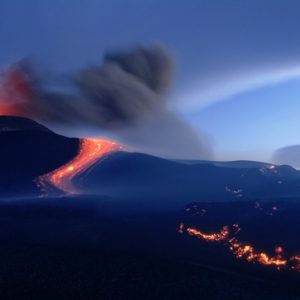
28	150
138	177
12	123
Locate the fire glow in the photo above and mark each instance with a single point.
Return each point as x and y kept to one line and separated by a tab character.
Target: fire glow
90	151
219	236
243	250
14	88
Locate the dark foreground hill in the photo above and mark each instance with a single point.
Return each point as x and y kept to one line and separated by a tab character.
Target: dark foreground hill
28	150
79	248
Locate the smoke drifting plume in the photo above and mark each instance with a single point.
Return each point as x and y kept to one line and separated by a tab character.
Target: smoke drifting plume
126	96
289	155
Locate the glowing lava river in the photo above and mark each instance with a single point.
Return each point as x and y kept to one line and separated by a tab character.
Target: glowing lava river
241	250
90	151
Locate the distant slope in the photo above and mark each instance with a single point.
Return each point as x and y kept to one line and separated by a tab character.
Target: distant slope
231	164
139	176
28	150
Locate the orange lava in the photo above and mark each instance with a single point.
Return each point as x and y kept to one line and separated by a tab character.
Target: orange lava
249	253
220	236
90	151
246	251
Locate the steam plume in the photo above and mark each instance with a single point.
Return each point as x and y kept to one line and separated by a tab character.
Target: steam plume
289	155
125	95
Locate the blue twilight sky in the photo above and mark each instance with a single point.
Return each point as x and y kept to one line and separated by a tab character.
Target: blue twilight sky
238	62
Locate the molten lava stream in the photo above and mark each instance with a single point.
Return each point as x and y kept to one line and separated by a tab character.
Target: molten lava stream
90	151
245	251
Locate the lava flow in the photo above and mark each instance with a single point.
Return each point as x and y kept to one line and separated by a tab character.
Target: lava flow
219	236
245	251
90	151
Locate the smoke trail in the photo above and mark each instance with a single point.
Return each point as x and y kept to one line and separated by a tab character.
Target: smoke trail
289	155
126	95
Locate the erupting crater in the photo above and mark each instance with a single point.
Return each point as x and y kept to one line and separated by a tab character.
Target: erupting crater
90	151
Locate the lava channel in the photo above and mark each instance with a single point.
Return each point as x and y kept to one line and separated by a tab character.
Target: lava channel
245	251
90	151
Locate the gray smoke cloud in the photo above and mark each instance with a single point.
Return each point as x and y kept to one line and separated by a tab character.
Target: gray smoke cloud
289	155
126	96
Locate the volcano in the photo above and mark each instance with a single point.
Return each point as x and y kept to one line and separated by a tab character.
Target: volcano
30	153
112	206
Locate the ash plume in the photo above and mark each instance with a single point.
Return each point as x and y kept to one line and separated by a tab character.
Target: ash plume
289	155
125	96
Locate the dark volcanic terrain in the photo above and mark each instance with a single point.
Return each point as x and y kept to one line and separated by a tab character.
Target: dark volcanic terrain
89	248
120	239
29	150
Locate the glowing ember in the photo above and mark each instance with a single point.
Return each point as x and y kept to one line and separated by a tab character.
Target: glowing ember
249	253
90	151
268	169
245	251
181	228
220	236
296	261
14	88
